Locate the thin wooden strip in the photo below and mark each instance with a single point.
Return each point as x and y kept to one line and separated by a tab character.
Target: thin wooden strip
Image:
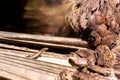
25	53
25	49
13	47
35	66
15	53
43	38
47	57
39	43
11	76
52	65
38	54
25	71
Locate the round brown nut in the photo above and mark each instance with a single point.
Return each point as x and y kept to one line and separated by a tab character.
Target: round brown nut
108	32
91	21
101	29
108	21
114	27
113	24
97	38
109	40
99	18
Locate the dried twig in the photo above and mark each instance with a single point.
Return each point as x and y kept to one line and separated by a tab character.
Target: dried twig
17	41
38	54
45	39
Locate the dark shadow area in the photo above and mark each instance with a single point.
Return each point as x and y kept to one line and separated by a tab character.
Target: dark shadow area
2	78
11	12
34	16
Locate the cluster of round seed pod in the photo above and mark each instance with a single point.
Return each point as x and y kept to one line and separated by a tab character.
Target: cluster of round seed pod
103	31
102	56
96	22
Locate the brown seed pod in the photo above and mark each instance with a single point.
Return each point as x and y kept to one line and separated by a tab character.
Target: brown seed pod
91	21
114	27
105	57
109	40
101	29
108	32
108	21
99	18
97	38
113	24
85	53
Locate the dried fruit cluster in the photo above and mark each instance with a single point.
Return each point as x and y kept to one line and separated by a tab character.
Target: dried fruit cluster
94	64
97	23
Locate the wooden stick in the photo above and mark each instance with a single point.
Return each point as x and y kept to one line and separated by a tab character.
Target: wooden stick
34	66
46	39
46	56
27	54
38	54
29	73
39	43
15	53
13	47
11	76
33	71
55	66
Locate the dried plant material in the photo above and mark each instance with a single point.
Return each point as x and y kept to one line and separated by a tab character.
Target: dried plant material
76	61
66	75
102	70
85	53
98	22
89	55
35	56
105	57
91	76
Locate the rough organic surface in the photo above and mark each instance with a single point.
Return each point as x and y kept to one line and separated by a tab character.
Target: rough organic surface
107	57
97	22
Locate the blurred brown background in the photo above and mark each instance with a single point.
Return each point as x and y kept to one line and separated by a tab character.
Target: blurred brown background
33	16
